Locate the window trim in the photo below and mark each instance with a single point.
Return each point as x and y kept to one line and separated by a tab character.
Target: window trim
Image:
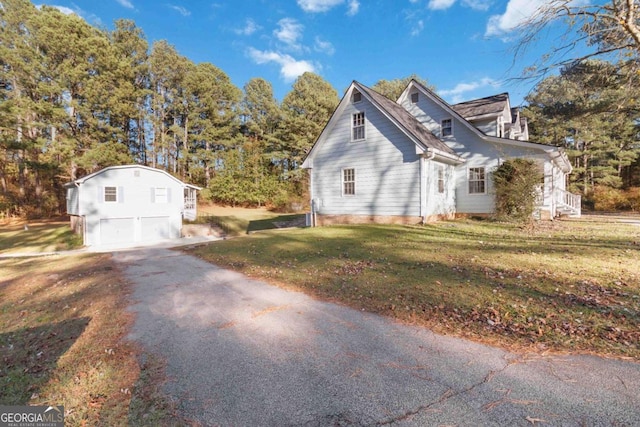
442	127
115	194
417	97
483	180
344	182
355	94
363	126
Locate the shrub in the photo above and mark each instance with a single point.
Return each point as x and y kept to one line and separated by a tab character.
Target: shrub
633	198
516	183
608	199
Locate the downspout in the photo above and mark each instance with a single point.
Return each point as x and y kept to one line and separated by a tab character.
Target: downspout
423	182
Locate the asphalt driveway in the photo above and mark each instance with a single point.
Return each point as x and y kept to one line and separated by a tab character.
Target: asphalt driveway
240	352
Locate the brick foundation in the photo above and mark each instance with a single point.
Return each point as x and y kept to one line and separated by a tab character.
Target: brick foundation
377	219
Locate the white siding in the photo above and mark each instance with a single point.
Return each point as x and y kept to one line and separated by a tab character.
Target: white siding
387	168
487	126
73	202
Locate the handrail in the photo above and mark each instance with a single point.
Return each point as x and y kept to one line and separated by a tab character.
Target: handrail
570	200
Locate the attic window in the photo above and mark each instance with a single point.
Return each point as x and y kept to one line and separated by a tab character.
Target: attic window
110	194
358	126
446	127
414	98
357	96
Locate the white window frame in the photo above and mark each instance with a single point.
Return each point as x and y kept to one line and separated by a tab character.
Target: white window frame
161	195
477	180
351	182
113	195
358	125
415	97
443	127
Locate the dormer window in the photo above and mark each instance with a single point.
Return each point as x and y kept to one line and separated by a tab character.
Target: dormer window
357	96
414	98
446	127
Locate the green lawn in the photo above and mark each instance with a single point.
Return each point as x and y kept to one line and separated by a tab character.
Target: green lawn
570	285
42	236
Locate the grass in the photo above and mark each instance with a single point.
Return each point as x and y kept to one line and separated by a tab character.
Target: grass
240	221
41	236
63	326
562	286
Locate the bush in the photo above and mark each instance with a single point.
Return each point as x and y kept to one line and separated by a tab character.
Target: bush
516	183
633	198
609	199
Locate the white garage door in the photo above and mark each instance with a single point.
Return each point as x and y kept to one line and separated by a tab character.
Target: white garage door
116	230
154	228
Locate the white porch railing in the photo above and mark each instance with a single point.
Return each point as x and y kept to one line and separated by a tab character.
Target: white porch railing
567	203
190	207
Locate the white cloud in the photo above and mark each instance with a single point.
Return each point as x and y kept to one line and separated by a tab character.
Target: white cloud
183	11
63	9
460	89
516	13
289	33
354	7
249	28
477	4
316	6
125	3
324	46
290	68
440	4
419	26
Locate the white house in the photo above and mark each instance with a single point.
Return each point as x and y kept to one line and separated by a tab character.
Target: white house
131	204
420	159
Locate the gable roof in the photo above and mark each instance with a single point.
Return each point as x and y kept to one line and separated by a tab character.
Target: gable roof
407	120
82	180
401	118
555	153
487	106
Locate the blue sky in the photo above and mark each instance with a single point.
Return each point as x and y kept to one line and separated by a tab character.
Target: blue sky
460	46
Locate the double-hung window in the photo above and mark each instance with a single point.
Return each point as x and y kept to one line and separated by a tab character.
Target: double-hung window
357	126
446	127
348	182
477	181
440	179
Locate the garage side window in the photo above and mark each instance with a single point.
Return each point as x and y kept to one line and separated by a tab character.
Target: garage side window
161	195
111	194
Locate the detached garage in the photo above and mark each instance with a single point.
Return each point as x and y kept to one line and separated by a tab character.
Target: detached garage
127	205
